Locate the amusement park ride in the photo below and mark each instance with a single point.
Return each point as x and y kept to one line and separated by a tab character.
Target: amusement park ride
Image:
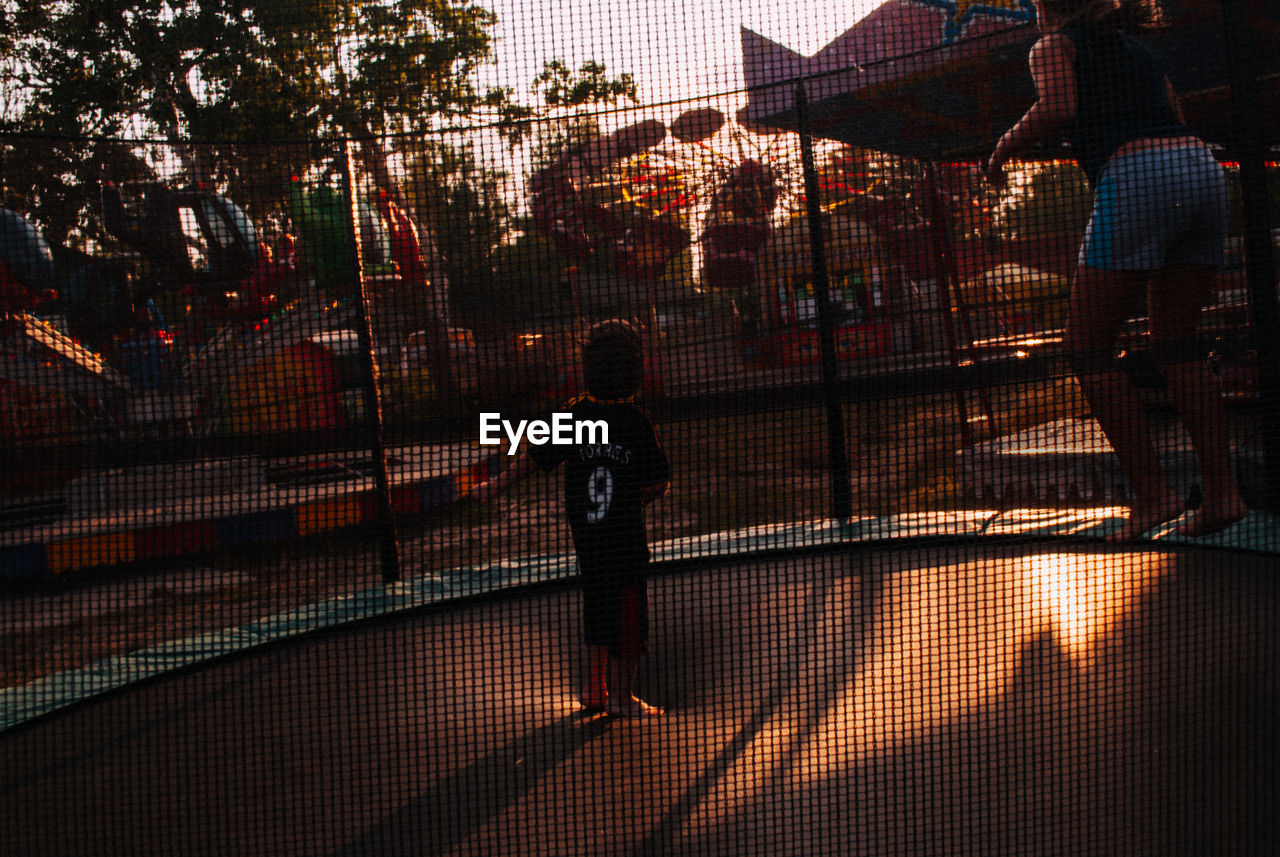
194	327
726	191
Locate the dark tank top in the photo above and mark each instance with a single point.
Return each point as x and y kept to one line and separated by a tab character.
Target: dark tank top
1120	96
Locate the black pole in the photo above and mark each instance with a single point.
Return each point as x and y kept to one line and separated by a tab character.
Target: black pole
841	492
384	521
1249	145
944	269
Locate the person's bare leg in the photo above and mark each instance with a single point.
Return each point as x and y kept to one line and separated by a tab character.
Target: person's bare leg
1177	295
595	678
1099	304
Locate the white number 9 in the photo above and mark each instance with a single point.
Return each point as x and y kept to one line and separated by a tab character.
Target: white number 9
599	494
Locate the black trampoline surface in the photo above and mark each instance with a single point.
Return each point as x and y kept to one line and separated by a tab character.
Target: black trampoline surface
1052	699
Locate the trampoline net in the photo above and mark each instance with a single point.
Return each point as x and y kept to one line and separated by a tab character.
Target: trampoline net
638	428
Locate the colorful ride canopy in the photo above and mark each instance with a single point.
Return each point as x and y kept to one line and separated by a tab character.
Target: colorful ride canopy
944	78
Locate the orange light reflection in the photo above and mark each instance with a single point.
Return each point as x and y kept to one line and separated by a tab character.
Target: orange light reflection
1086	595
945	642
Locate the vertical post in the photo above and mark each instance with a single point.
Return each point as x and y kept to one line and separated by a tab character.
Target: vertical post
841	492
384	523
1249	145
958	326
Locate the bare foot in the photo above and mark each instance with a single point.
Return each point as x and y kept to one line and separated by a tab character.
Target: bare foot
633	707
1145	516
1213	518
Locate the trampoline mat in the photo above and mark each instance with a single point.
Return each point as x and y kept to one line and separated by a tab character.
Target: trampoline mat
1058	698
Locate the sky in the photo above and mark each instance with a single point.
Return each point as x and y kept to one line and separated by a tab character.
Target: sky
673	48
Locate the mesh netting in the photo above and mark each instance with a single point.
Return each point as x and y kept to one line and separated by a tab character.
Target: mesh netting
638	428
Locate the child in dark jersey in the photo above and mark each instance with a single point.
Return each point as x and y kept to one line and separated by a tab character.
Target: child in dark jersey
606	487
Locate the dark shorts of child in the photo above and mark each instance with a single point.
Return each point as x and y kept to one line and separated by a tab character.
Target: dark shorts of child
615	610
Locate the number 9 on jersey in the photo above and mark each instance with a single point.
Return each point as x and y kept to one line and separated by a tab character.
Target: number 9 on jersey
599	494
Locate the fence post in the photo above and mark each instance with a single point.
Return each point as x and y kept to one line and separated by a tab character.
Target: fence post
384	522
958	329
841	492
1249	145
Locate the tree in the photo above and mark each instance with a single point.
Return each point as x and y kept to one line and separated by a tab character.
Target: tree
468	205
83	72
461	203
559	87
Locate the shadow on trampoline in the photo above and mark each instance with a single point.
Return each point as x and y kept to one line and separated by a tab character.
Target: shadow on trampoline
499	779
980	699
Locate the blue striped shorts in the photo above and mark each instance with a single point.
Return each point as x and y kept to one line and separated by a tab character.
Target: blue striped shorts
1157	207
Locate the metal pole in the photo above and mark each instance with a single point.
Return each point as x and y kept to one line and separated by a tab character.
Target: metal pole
841	491
384	521
1249	146
959	342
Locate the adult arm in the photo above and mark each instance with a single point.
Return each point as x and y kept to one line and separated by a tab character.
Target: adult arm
1051	63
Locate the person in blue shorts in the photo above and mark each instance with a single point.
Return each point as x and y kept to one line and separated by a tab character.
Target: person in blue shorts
607	486
1157	231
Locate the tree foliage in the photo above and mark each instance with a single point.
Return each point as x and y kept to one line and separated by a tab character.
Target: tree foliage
462	204
468	205
560	87
81	72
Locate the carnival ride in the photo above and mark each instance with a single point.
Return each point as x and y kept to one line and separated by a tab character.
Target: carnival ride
192	327
725	191
423	355
44	373
155	338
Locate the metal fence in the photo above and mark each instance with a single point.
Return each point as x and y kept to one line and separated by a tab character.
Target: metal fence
247	387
